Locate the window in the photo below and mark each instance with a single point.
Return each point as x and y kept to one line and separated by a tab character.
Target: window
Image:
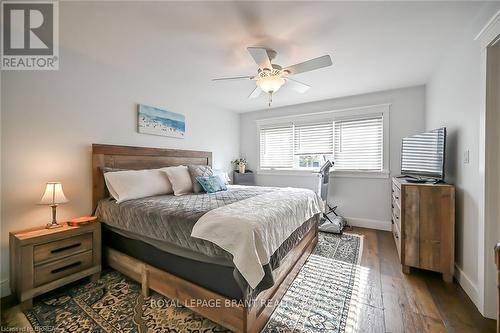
359	144
276	150
353	140
313	144
296	146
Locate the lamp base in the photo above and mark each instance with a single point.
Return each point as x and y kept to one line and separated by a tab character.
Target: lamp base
53	225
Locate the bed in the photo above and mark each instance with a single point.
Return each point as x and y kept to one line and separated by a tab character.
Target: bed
195	272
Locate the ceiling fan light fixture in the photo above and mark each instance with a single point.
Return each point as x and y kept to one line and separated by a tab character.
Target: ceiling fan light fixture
271	77
270	84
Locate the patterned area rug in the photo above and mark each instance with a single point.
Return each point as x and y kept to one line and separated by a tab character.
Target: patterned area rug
317	301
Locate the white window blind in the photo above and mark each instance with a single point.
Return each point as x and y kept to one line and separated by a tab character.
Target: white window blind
358	144
312	139
276	147
295	145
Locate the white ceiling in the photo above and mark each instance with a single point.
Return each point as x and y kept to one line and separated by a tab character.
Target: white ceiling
374	45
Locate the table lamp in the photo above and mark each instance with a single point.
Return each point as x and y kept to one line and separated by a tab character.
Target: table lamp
53	196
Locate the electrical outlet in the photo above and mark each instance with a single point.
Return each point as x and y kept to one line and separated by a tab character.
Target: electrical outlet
466	156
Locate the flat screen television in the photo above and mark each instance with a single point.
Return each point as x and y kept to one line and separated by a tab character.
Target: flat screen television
423	155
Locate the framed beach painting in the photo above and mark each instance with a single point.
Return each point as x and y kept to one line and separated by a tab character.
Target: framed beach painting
156	121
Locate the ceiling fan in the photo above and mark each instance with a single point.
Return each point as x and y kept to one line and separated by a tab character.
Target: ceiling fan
271	77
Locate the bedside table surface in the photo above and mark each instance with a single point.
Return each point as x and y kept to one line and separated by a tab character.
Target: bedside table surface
28	234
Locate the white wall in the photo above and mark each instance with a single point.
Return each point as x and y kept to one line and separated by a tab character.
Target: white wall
365	201
50	119
454	100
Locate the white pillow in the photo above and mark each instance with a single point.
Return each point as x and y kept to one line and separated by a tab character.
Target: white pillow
222	175
136	184
180	179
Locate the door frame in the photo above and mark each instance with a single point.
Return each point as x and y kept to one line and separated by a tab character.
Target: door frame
488	225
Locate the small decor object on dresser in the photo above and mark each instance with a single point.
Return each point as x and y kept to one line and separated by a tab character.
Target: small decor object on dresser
82	220
156	121
240	164
44	259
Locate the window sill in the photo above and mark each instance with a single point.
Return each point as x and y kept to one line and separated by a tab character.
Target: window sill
302	173
336	174
360	174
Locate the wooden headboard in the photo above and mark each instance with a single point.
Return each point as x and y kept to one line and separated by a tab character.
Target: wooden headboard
126	157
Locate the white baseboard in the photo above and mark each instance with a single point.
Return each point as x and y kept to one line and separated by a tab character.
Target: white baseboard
467	285
370	224
4	288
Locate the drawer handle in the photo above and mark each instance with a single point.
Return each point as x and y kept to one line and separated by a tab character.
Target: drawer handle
64	248
60	269
396	235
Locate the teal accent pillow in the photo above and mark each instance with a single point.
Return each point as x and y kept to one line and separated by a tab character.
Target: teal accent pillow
211	184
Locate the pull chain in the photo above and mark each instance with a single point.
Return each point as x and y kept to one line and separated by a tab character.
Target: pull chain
270	98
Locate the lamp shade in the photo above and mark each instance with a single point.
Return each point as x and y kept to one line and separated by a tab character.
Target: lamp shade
270	84
53	194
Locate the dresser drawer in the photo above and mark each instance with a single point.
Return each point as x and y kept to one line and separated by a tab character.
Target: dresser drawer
396	203
60	268
396	215
396	234
396	194
62	248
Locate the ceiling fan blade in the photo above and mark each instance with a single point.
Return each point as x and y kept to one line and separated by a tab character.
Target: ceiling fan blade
255	93
309	65
248	77
297	85
259	54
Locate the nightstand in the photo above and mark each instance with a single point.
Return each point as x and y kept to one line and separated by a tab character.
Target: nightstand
247	178
44	259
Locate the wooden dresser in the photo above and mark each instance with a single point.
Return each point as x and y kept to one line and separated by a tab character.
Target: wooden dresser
44	259
423	226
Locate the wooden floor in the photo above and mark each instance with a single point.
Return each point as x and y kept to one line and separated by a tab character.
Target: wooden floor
389	301
419	302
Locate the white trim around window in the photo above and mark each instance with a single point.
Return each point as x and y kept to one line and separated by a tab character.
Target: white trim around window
333	115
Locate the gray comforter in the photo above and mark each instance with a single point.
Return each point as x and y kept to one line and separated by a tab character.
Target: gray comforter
170	219
167	221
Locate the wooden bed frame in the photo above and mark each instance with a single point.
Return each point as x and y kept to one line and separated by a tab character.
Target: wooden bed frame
232	315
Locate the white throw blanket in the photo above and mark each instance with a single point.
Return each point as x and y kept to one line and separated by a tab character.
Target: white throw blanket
254	228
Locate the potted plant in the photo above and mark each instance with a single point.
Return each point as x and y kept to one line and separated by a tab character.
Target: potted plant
240	164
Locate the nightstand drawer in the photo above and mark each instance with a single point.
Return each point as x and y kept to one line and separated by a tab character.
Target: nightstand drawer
55	270
62	248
